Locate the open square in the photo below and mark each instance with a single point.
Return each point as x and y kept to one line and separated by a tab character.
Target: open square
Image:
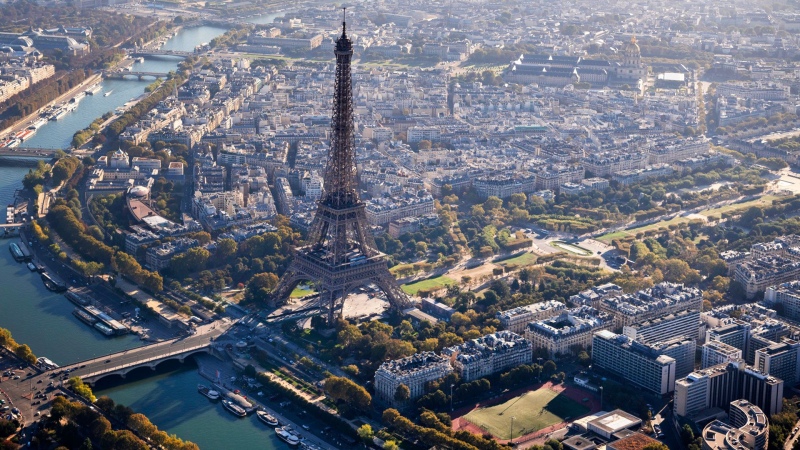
532	411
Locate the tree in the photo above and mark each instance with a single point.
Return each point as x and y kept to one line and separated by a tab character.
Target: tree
365	432
347	392
584	359
260	287
24	352
390	445
687	435
402	393
655	446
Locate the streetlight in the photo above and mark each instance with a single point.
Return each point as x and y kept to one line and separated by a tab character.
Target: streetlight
451	397
601	397
512	430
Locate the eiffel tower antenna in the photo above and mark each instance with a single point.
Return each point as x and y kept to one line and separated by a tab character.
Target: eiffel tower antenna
341	254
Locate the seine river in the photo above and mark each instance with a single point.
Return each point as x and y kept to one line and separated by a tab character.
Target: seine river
44	320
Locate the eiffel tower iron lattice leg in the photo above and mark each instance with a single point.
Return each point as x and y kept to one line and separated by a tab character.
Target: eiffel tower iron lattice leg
341	254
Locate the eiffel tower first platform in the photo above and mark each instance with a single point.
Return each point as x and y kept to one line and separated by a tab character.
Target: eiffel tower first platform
341	254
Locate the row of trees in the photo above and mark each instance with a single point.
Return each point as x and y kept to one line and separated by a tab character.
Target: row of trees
21	350
145	105
81	136
26	102
75	233
75	425
438	434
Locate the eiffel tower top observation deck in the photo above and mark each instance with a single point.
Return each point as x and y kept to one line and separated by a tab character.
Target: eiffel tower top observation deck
341	254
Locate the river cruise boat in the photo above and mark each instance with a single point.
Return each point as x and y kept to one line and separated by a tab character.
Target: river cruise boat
38	123
16	252
78	97
103	328
234	409
267	418
286	434
208	392
94	89
58	113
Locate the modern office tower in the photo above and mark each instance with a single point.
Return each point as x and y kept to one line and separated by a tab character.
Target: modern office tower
691	394
634	361
780	360
717	386
736	334
681	323
681	349
715	353
786	294
748	429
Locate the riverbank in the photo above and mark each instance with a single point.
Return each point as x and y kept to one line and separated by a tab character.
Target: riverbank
67	96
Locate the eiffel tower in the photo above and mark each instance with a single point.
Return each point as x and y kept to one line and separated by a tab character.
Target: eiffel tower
341	254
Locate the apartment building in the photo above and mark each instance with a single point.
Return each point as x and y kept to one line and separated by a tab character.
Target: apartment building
413	371
660	300
592	297
570	329
516	319
489	354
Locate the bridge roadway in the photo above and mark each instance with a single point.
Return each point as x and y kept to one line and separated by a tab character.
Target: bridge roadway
121	363
28	152
158	52
139	75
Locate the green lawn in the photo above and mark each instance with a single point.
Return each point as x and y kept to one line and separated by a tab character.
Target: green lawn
300	292
429	284
532	411
765	200
525	259
571	248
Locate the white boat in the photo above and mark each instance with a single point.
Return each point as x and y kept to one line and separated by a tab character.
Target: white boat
288	435
94	89
234	409
267	418
108	93
209	393
38	123
139	59
78	97
59	113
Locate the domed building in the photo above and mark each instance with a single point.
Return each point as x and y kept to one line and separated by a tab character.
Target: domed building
631	67
139	192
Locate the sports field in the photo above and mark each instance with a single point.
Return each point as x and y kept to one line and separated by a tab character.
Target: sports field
532	411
